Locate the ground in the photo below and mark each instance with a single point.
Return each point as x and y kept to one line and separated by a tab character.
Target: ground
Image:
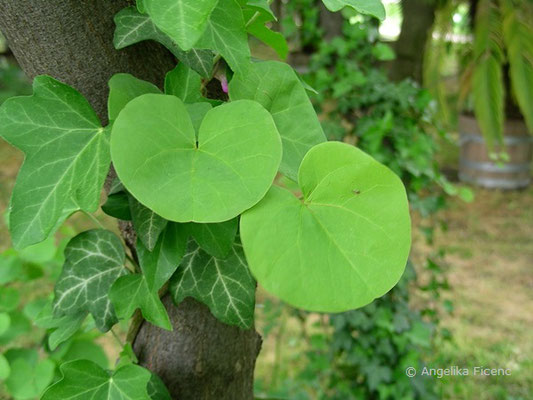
490	259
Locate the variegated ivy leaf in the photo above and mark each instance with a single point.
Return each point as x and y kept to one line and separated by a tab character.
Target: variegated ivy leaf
133	27
224	285
93	261
67	158
183	20
84	379
276	87
226	34
147	223
141	290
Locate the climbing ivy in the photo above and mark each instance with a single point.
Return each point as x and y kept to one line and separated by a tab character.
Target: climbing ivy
197	177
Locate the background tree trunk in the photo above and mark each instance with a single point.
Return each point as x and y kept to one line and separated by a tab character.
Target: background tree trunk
71	40
330	22
418	18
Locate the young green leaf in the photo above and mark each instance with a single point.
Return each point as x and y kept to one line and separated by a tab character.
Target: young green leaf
344	244
148	225
67	158
184	21
141	290
224	285
94	260
215	239
133	27
184	83
276	87
122	89
226	34
157	158
83	379
29	376
369	7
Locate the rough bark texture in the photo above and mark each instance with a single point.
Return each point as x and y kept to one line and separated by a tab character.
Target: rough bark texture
71	40
206	355
418	18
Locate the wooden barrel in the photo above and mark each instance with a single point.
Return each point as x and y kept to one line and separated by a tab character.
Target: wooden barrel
475	165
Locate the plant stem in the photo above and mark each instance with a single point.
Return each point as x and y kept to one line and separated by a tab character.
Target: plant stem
94	219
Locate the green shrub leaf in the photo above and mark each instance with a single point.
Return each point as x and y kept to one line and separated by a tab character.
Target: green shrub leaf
67	158
215	239
83	379
93	261
224	285
155	154
133	27
184	83
276	87
148	225
29	376
341	246
122	89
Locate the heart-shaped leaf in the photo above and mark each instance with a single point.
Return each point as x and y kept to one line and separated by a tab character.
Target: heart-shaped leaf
276	87
122	89
343	244
157	158
184	83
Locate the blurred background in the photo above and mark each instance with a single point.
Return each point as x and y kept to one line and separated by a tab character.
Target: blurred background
422	92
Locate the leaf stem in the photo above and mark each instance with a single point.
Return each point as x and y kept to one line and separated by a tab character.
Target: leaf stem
94	219
117	338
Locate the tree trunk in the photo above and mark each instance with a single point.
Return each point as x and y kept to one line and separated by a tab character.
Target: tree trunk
418	18
71	40
330	22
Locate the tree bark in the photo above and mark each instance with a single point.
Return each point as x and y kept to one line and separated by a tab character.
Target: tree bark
418	18
330	22
71	40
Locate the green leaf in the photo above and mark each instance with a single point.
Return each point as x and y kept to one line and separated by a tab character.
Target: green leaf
5	321
215	239
5	370
276	87
369	7
60	329
148	225
226	34
184	83
18	326
133	27
341	246
184	21
9	298
84	380
117	205
197	112
94	260
157	389
275	40
86	349
224	285
156	156
29	376
263	7
141	290
122	89
518	37
67	158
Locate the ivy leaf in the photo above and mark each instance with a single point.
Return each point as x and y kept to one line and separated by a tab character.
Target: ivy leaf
276	87
184	83
184	21
369	7
83	379
147	223
215	239
67	158
133	27
275	40
157	158
122	89
340	247
93	261
226	34
60	328
224	285
141	290
28	376
117	205
157	389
